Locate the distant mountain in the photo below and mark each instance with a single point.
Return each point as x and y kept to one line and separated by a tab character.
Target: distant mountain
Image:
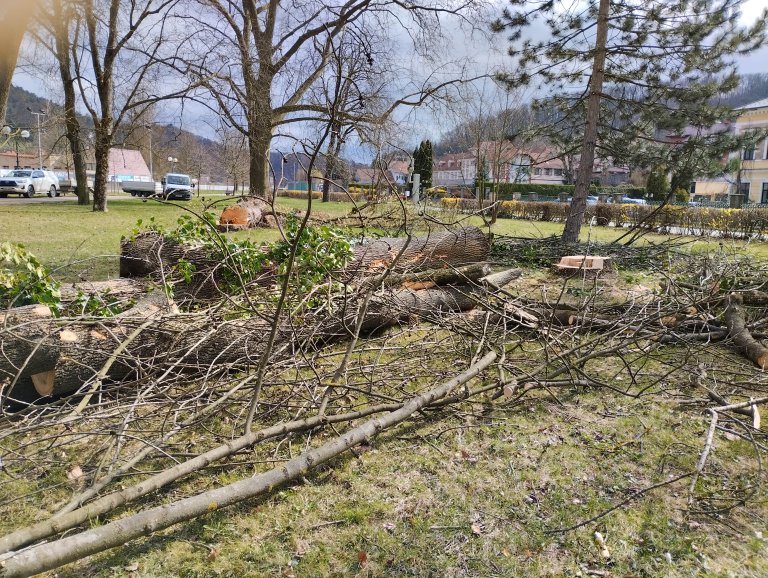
752	87
18	102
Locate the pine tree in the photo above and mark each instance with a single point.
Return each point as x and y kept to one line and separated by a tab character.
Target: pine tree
657	185
652	68
422	163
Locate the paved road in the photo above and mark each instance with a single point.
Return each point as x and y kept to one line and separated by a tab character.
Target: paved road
17	200
37	199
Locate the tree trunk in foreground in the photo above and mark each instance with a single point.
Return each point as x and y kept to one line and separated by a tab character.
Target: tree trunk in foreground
15	17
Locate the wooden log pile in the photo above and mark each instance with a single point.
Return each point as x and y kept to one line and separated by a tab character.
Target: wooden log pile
45	356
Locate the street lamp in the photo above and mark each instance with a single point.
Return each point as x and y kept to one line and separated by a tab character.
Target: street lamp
173	161
15	134
39	142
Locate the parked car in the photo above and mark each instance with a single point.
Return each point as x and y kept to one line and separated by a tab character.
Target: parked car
631	201
592	200
28	182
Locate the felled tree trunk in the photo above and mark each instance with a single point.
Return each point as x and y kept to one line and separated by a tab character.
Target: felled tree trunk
42	356
151	254
445	249
247	214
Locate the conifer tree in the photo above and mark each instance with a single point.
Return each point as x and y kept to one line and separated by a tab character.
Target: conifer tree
422	163
644	68
657	185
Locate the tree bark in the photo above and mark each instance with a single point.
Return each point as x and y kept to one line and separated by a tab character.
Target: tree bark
42	356
734	320
103	144
584	177
452	248
60	22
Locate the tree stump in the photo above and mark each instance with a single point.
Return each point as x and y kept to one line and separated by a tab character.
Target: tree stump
247	213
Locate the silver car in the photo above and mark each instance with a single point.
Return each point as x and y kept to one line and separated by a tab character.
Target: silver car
28	182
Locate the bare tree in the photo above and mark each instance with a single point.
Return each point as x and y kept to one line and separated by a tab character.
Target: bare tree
261	60
352	90
127	44
59	23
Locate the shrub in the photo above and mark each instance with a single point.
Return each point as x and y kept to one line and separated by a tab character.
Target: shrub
335	196
682	195
671	218
24	280
505	190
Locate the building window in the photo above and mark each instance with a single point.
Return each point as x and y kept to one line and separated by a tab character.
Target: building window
558	172
536	171
749	154
692	188
764	194
744	190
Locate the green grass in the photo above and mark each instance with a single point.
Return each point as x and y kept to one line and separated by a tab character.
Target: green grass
78	243
477	500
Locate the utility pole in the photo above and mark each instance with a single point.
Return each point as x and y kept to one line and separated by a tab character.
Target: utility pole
39	140
151	171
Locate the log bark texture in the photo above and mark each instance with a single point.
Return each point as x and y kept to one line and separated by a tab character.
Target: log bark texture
748	345
445	249
43	356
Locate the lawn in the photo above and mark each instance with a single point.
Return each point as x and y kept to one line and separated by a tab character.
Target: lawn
477	489
79	244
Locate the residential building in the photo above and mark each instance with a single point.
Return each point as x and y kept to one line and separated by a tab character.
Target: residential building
454	170
8	160
751	177
508	163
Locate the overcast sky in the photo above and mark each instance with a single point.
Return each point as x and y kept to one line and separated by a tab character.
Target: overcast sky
473	49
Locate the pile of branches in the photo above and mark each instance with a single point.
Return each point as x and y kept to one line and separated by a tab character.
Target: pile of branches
525	251
236	378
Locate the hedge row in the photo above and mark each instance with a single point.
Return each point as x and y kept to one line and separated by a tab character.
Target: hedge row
335	195
505	190
669	219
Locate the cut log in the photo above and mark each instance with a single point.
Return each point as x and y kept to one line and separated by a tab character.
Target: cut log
246	214
150	254
58	357
435	251
431	278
